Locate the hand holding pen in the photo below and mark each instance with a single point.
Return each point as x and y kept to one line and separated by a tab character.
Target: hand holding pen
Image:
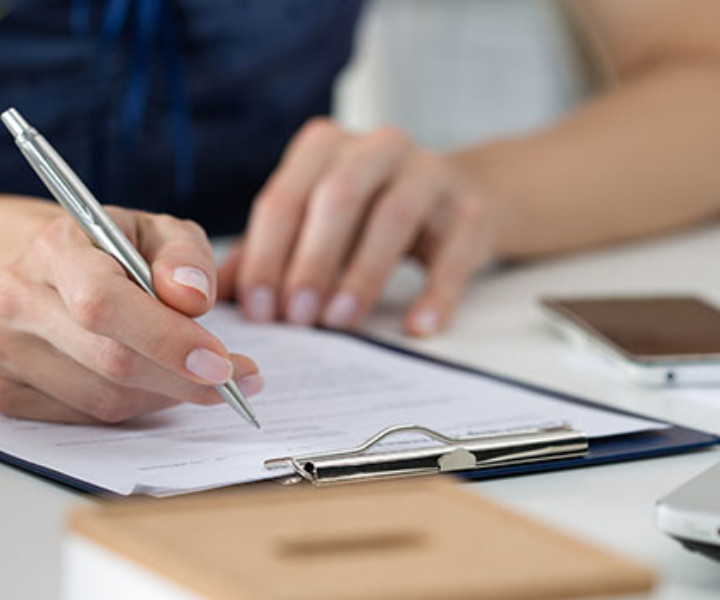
81	342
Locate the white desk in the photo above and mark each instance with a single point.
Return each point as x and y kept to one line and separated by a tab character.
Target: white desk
499	328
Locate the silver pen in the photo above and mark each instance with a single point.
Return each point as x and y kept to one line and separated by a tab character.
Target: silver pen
74	197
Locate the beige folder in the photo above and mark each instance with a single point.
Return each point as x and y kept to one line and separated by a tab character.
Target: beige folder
423	538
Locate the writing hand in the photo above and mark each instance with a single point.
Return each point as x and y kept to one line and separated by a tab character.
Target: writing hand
79	342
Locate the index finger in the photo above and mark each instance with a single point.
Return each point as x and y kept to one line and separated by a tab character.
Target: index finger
181	259
104	301
278	213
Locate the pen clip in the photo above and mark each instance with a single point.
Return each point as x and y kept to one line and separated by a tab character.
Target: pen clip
450	455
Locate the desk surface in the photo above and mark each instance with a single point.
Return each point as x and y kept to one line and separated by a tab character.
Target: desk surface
499	328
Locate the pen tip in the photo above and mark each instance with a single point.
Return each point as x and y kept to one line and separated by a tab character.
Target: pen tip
255	422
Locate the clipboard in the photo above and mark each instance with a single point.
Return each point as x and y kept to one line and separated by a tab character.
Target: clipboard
488	456
572	452
675	439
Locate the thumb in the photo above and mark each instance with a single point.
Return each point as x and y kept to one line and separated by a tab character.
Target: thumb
182	263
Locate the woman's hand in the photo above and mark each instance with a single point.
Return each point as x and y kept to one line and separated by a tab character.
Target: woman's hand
81	343
337	216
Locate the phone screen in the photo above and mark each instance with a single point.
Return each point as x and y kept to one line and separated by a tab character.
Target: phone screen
647	327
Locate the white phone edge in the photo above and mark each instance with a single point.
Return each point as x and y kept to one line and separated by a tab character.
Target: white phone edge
688	511
687	524
665	374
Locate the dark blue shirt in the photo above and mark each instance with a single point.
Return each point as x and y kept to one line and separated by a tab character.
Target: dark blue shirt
232	79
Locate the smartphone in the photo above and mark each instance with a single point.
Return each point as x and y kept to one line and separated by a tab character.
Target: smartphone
657	340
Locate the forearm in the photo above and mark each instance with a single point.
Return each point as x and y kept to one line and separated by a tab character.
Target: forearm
637	161
21	218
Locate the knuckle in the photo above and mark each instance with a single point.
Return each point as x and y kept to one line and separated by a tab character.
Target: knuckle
276	205
13	295
471	213
54	234
433	170
194	229
114	405
391	136
430	163
115	361
122	213
163	221
337	194
402	210
168	222
318	130
89	306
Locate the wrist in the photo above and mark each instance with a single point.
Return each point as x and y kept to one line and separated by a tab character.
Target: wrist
490	169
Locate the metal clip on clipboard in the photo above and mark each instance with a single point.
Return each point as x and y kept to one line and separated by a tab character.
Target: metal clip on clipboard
453	454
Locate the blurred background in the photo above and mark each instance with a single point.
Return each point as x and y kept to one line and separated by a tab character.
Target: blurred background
451	73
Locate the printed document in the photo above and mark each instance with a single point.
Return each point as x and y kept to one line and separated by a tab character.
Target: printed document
324	391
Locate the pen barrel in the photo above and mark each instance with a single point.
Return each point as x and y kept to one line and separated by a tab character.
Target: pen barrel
67	188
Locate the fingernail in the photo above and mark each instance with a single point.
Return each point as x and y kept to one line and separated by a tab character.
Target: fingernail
194	278
261	303
303	307
426	321
341	310
251	385
209	366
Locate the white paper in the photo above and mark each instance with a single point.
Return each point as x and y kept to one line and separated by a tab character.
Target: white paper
324	391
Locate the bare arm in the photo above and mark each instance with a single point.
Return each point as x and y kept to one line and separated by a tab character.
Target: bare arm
639	159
